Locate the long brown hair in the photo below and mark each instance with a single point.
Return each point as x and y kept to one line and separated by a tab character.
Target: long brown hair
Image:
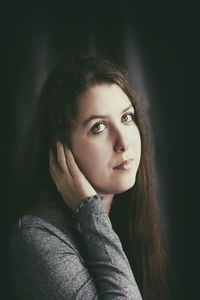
138	229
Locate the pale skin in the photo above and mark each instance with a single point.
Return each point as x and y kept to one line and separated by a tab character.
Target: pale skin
109	137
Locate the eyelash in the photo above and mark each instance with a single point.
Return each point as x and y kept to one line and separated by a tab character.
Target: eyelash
99	123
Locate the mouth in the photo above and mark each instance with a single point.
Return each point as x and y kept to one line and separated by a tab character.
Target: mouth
124	165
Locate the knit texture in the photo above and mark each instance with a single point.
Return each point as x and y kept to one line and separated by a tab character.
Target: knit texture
54	255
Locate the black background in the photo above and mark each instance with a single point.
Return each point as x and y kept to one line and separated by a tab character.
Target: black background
157	42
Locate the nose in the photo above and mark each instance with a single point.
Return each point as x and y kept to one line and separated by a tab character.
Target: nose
121	141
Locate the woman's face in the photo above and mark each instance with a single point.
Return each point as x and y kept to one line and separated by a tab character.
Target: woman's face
105	136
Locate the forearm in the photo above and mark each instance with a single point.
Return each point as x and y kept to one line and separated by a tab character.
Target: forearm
106	259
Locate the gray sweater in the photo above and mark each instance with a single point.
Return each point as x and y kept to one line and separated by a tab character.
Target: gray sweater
54	255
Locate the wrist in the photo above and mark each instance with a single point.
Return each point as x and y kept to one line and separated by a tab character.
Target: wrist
85	202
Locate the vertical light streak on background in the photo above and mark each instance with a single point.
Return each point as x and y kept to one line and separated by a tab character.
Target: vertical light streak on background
35	67
92	49
41	59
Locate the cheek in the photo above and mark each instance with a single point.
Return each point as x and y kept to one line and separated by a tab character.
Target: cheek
136	142
138	148
90	157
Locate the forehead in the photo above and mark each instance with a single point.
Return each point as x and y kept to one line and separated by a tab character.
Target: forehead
102	99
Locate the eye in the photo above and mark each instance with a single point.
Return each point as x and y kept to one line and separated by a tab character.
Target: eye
128	117
98	127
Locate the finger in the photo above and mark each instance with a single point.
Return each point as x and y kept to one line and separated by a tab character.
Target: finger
72	165
62	158
53	176
53	165
57	174
51	158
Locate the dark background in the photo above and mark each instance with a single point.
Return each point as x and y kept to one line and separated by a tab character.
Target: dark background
157	43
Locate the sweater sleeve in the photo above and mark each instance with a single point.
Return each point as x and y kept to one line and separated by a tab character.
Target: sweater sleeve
47	265
106	259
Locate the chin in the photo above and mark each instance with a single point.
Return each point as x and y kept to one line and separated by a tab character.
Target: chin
117	187
125	183
123	187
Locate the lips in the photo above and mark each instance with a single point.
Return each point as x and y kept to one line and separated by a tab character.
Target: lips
126	164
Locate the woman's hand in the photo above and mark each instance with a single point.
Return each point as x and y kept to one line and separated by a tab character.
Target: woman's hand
70	181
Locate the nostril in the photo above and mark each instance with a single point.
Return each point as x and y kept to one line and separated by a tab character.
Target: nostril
120	148
121	143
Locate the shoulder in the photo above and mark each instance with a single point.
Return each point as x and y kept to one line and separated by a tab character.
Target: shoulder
50	227
46	255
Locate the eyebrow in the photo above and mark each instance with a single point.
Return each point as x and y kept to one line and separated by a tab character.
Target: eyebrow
92	117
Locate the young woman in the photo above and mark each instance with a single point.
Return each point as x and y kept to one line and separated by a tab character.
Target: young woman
87	228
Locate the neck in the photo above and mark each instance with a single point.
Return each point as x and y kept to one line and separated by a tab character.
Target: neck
107	201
